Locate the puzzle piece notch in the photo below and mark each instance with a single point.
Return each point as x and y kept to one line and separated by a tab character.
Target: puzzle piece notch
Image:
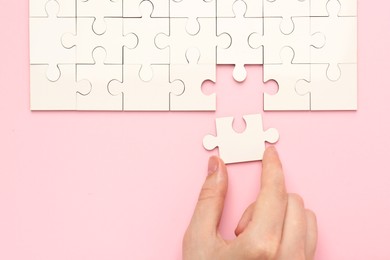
225	9
286	75
113	40
241	147
347	8
239	29
193	10
341	39
146	29
99	10
50	50
38	8
327	94
139	95
286	9
193	75
99	74
131	8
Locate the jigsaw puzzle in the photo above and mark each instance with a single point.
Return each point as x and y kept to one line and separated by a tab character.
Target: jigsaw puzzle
154	55
241	147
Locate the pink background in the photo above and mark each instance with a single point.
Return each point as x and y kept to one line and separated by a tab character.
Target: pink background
97	186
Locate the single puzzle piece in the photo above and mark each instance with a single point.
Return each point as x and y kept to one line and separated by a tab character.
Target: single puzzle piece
225	8
139	95
99	10
59	95
131	8
99	75
341	40
286	75
146	29
38	8
287	9
45	41
274	40
86	41
239	29
348	8
241	147
326	94
179	41
193	10
193	75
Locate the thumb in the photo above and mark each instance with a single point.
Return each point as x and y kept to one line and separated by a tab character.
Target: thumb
211	200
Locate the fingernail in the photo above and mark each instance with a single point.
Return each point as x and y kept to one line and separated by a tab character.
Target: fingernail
213	165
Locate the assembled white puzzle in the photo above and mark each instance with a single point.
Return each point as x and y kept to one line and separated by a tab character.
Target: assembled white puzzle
154	55
154	37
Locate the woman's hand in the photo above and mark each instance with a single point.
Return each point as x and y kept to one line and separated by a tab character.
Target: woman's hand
276	226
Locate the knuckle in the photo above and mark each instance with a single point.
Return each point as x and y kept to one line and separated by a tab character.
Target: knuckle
267	250
296	198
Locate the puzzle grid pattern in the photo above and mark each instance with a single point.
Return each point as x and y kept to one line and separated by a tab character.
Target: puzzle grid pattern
154	55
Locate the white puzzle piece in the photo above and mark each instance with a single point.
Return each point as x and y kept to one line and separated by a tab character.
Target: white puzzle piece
193	75
99	75
238	52
286	75
193	10
241	147
341	40
326	94
146	29
45	41
99	10
58	95
139	95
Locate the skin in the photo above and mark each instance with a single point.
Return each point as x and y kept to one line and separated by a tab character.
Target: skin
274	227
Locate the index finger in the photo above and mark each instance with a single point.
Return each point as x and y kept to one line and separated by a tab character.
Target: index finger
271	204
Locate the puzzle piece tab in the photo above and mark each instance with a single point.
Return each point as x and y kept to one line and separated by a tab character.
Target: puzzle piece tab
238	52
99	10
99	74
193	75
241	147
193	10
146	29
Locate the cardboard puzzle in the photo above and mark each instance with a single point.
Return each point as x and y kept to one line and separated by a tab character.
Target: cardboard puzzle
154	55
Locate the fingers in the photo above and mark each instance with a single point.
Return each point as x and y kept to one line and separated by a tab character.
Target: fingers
245	219
270	206
311	234
294	232
209	208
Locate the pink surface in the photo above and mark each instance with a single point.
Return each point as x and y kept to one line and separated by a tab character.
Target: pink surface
123	185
